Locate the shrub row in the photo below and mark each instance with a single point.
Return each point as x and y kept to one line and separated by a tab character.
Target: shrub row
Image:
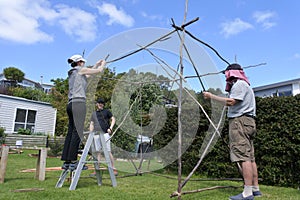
277	144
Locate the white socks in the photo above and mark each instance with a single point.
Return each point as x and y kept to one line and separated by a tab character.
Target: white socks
247	191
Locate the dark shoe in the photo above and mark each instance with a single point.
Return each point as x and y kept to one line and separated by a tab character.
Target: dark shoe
73	166
257	194
240	197
65	166
85	167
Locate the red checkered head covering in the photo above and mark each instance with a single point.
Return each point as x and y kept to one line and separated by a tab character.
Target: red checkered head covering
233	73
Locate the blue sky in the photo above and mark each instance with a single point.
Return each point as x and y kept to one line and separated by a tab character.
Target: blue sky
37	36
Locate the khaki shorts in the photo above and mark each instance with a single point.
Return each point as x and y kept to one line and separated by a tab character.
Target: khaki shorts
242	131
98	145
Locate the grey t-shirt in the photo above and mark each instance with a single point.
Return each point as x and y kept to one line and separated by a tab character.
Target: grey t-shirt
244	95
77	84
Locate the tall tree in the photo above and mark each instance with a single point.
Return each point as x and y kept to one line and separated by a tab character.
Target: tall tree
30	93
59	100
14	75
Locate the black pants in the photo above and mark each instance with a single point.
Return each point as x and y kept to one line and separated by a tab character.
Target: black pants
76	113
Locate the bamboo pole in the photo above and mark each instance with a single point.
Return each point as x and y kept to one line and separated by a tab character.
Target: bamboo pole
201	190
179	105
157	40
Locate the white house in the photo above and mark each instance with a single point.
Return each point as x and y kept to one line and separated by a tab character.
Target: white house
27	83
16	112
284	88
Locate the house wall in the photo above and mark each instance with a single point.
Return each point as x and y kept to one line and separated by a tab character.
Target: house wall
296	88
45	114
270	91
284	88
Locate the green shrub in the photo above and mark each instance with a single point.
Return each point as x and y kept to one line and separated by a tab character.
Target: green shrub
38	133
278	139
55	147
22	131
2	130
2	135
276	145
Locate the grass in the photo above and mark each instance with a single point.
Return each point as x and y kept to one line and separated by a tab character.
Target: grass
147	186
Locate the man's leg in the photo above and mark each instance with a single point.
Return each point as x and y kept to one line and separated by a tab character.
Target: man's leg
112	160
255	174
255	186
112	164
247	170
108	147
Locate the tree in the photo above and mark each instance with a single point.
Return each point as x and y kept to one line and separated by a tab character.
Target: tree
14	75
59	100
105	85
30	93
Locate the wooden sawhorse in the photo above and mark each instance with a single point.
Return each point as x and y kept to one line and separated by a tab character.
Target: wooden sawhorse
40	164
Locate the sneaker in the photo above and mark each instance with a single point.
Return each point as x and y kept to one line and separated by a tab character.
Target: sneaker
73	166
240	197
84	167
257	194
65	166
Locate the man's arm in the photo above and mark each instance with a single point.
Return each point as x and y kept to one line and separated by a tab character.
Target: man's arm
225	100
91	126
112	124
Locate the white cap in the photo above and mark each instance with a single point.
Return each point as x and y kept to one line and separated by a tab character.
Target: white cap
77	58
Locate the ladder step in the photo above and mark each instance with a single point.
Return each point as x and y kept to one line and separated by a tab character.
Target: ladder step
92	162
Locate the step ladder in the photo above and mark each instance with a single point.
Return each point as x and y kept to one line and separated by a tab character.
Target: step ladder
89	147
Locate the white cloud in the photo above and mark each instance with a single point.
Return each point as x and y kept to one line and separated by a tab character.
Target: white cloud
115	15
22	21
234	27
151	17
265	18
77	23
296	56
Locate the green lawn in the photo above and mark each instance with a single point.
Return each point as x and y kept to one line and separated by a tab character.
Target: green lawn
146	186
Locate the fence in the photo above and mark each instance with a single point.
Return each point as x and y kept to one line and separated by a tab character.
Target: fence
25	140
31	140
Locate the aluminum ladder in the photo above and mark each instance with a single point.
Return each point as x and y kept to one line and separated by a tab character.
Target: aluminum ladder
75	174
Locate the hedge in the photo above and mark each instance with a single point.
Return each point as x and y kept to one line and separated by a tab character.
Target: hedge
277	144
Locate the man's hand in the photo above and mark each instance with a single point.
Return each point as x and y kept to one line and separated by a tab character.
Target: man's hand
226	101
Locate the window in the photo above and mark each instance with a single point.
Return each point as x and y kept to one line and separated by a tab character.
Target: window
283	93
25	119
47	90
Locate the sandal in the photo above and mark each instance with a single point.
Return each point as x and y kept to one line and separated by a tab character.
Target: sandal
115	172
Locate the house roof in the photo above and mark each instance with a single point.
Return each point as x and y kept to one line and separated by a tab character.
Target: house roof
274	85
23	99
